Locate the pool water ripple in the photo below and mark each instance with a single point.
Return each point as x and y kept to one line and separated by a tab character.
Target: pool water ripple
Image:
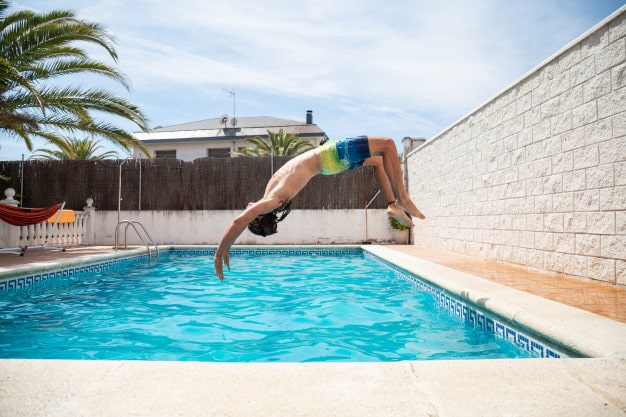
270	308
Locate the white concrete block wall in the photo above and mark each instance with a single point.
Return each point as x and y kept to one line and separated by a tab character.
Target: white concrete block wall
203	227
537	176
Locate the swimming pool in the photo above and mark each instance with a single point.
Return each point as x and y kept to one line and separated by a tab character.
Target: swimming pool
266	310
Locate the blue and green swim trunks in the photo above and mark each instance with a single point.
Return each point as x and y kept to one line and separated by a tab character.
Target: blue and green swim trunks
344	154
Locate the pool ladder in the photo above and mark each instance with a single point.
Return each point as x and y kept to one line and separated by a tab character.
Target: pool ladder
133	224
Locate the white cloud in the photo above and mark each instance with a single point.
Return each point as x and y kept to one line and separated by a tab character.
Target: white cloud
334	52
409	66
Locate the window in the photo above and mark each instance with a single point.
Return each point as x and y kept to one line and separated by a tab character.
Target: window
165	154
218	152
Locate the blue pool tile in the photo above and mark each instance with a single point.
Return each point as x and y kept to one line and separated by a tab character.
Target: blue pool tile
464	311
480	319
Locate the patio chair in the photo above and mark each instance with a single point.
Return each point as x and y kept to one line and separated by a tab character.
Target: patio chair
19	216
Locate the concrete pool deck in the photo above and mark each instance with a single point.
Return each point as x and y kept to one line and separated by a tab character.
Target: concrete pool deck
519	387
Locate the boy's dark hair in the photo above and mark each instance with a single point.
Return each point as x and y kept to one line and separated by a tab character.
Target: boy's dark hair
267	224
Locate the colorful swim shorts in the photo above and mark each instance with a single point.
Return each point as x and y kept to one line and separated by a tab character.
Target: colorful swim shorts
344	154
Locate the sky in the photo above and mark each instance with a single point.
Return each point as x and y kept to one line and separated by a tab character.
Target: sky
376	67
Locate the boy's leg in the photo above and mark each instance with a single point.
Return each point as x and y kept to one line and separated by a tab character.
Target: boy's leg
383	183
386	148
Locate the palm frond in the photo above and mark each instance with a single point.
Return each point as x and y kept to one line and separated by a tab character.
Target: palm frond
75	149
38	47
278	144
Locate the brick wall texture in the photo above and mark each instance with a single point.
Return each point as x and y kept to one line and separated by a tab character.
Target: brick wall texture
537	176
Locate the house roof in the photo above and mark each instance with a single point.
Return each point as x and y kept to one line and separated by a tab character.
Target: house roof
214	129
242	122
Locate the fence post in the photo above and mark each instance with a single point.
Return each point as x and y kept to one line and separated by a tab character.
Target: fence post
9	200
90	222
9	235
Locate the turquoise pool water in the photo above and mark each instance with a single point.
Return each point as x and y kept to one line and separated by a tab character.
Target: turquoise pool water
273	306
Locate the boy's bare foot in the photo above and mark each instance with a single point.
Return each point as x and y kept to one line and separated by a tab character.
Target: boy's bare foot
410	208
399	215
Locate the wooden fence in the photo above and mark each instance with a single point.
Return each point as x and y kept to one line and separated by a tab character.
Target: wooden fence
169	184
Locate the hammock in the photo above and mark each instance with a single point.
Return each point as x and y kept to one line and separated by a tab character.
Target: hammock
18	216
26	216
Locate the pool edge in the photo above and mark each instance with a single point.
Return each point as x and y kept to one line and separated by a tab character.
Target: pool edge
52	265
488	388
560	324
556	323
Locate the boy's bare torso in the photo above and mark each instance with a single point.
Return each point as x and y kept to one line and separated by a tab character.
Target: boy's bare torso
292	177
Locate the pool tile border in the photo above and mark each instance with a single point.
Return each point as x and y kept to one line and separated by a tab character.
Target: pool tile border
340	251
24	281
458	308
479	318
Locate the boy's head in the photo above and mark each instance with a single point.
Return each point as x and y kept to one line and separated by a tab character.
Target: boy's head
267	224
264	225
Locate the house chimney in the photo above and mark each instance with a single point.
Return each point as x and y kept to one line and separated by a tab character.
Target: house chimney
309	117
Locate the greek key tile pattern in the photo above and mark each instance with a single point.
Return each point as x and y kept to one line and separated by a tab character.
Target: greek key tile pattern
449	303
18	283
480	319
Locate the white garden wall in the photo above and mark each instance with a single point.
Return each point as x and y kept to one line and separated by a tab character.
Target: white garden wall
204	227
198	227
537	176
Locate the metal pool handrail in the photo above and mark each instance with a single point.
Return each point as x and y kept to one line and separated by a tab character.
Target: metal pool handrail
133	223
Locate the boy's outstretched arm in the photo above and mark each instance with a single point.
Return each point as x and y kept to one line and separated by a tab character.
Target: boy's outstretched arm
236	227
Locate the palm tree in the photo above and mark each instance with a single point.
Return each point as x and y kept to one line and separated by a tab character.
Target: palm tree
36	50
280	144
80	149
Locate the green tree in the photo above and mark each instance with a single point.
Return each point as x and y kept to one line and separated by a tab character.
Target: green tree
80	149
281	143
38	51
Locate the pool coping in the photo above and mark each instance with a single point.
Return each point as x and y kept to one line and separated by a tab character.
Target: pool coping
555	323
490	388
43	267
558	323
